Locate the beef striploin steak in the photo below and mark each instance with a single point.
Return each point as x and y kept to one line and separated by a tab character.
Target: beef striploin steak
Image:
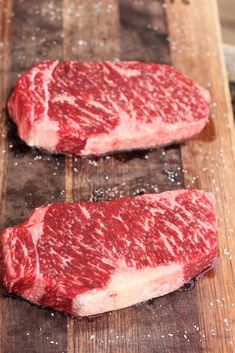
95	108
88	258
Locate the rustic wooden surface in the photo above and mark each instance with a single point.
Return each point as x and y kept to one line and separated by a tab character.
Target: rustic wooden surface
229	54
91	30
31	177
143	328
227	18
210	157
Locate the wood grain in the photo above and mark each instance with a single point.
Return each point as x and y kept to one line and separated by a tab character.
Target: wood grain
5	64
226	11
91	30
129	30
143	31
210	159
229	54
32	177
90	33
150	327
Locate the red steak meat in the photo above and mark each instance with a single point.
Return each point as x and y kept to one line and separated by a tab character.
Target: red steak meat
88	258
95	108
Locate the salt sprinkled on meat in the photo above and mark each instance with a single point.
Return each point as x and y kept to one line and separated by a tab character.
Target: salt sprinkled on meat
122	105
137	245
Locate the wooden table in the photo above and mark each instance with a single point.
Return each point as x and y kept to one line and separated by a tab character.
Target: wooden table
179	32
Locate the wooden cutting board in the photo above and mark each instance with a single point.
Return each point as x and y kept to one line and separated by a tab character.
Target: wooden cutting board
184	33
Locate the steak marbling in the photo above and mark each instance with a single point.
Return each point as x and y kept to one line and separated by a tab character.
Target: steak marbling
95	108
88	258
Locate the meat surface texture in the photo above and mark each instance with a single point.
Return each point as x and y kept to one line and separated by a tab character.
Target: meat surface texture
96	108
88	258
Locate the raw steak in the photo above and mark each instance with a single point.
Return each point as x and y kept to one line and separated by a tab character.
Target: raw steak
88	258
95	108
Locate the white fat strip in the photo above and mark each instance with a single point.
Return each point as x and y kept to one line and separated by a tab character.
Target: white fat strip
129	286
87	118
154	211
173	227
85	212
172	239
47	79
47	74
129	133
46	129
38	282
36	230
146	225
124	98
99	231
128	72
8	253
100	105
167	244
139	244
64	98
119	218
37	216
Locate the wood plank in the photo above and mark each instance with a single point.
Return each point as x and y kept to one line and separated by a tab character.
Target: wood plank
145	22
33	177
150	327
226	11
210	158
92	32
143	31
229	54
86	37
5	64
